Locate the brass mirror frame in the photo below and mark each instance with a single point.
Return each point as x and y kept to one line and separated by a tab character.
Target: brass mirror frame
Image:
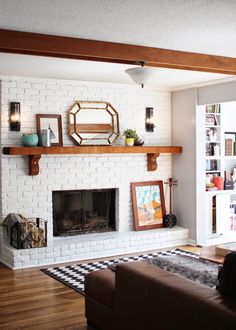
75	129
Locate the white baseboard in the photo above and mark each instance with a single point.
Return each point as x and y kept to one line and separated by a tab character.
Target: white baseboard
192	242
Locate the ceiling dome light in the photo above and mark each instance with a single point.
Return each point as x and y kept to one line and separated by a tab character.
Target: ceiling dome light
140	75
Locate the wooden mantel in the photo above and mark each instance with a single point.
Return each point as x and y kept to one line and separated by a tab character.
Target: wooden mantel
35	153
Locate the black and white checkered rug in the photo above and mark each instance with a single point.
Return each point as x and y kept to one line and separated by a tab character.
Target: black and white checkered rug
73	275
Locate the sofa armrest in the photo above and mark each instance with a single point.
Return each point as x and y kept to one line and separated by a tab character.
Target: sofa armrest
100	285
99	298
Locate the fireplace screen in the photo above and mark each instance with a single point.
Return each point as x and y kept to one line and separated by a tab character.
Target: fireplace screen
83	211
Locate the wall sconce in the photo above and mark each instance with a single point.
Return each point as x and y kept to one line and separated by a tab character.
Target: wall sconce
15	116
149	120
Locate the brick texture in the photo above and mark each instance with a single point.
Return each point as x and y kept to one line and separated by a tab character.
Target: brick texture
32	196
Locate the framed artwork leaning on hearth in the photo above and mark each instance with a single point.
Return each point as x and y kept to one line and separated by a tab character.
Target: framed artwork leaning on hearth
148	204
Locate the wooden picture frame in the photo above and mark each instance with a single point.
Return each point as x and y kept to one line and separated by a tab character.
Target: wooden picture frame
44	121
148	204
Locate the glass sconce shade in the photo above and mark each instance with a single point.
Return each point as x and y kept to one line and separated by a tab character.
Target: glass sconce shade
149	120
15	116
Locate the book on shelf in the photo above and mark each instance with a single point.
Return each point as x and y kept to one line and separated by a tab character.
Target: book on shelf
211	165
213	108
216	121
210	120
209	150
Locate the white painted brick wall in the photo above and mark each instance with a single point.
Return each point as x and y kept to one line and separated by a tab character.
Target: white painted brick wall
32	195
68	249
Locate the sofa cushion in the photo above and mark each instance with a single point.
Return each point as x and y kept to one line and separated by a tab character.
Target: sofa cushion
133	282
218	312
100	285
176	301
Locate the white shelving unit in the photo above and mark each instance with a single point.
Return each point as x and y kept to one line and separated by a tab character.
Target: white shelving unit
189	130
230	158
213	138
217	208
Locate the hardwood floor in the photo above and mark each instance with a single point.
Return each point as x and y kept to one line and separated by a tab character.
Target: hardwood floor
30	299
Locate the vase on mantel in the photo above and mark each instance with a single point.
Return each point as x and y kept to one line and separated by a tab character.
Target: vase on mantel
129	142
29	140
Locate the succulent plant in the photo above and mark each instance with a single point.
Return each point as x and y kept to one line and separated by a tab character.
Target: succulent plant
130	134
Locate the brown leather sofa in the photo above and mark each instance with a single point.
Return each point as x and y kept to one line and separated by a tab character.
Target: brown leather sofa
140	296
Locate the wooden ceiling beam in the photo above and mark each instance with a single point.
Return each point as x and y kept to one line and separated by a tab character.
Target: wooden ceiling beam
84	49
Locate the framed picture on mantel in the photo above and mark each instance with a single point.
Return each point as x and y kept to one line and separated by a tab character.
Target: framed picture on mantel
52	122
148	204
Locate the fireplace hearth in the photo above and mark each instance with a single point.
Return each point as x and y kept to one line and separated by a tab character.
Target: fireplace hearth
83	211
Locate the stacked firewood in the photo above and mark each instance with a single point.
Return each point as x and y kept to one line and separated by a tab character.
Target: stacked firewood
25	233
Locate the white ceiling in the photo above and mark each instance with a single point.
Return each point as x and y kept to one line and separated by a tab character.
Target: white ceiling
202	26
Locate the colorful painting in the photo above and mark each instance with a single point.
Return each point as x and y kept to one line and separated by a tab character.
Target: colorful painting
148	204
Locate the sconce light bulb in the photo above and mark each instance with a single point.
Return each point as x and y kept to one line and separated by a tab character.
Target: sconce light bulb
15	117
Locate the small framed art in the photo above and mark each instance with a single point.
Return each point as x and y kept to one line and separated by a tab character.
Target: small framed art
148	204
54	124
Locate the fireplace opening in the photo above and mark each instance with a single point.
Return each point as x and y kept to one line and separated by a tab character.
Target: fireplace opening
83	211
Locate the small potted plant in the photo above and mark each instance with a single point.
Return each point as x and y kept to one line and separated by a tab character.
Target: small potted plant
130	137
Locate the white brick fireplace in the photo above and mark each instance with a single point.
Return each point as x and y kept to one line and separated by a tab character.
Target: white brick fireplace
31	196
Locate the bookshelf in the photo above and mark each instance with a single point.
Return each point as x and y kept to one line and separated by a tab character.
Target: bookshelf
206	216
220	158
213	145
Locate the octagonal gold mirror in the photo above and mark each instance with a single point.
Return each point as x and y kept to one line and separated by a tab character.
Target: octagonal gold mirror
93	122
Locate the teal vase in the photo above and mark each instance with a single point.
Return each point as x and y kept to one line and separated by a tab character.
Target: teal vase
30	140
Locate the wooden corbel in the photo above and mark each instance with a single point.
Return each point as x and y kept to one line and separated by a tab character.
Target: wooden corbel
152	161
34	164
